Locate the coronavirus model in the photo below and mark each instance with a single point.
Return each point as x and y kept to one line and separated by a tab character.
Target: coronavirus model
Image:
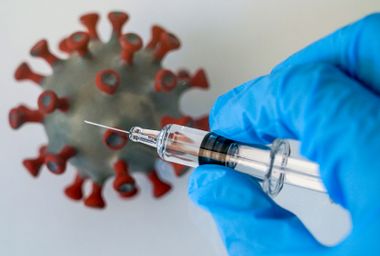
120	83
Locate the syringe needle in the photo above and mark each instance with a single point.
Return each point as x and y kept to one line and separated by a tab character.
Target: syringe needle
105	126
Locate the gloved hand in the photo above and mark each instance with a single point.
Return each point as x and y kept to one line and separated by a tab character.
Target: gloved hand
326	96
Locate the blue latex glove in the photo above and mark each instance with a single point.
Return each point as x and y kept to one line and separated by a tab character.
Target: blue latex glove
326	96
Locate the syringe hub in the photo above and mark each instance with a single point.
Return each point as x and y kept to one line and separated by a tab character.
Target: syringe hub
144	136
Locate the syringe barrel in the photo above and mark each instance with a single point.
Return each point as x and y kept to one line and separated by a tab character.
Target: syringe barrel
180	144
271	165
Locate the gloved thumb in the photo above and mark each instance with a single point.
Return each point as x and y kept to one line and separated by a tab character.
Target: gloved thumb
248	220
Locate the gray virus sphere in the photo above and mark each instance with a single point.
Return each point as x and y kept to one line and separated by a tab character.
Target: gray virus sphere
120	83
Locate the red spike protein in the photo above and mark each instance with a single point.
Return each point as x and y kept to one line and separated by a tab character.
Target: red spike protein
120	83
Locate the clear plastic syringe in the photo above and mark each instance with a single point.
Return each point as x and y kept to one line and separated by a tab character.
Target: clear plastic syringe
271	165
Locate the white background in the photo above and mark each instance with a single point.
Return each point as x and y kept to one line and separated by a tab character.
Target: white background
233	40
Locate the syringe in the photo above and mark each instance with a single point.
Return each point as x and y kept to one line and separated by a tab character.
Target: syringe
271	165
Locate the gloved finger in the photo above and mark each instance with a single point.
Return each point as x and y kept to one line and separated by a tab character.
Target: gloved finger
354	48
249	222
248	113
323	108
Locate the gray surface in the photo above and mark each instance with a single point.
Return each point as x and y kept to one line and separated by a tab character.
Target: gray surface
234	40
134	103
